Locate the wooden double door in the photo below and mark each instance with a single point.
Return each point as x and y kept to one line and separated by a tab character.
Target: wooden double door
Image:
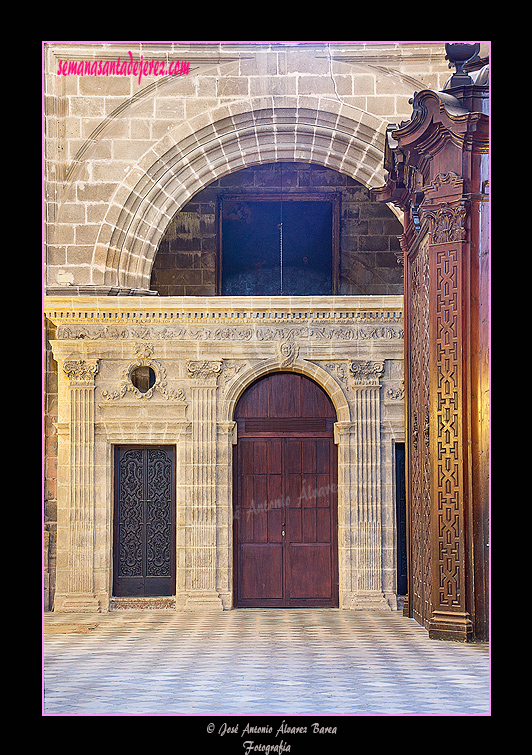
285	487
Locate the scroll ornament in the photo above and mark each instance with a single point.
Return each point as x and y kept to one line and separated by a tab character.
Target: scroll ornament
160	385
447	223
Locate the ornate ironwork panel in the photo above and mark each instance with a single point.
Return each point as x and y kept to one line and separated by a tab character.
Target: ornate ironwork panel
130	514
158	513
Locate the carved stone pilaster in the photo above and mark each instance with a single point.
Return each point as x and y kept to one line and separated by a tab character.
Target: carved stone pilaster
201	588
80	579
360	462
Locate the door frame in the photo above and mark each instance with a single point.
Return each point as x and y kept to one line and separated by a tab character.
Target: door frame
334	602
115	458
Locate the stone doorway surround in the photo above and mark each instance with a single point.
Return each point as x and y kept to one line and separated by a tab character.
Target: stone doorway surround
204	353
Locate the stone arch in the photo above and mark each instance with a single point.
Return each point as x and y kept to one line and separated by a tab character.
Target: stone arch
318	130
242	381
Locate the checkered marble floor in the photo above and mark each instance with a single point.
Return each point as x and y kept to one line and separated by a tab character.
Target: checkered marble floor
257	662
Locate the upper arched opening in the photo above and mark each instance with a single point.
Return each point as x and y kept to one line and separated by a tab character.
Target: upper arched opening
218	144
280	228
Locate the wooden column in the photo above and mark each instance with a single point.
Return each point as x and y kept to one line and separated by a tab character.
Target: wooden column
437	164
448	409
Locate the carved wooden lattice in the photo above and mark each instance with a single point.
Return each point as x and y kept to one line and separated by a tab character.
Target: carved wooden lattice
419	461
438	175
448	462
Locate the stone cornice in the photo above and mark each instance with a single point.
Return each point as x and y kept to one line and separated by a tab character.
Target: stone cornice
118	311
286	321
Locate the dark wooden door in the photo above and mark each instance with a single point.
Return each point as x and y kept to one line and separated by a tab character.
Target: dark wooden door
144	521
285	529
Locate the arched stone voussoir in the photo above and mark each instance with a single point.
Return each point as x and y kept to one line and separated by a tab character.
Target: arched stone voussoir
233	137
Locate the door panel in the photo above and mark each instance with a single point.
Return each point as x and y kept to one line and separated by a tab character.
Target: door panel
285	496
262	573
310	571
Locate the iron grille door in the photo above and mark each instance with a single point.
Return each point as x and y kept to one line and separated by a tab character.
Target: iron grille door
144	522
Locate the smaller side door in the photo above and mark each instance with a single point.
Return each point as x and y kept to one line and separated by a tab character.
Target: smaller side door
144	521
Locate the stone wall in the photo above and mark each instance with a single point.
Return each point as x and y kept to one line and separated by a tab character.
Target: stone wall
50	470
123	154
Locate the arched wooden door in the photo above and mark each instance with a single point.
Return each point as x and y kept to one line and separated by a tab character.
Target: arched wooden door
285	495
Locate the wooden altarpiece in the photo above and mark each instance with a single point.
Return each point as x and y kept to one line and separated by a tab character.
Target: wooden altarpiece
437	165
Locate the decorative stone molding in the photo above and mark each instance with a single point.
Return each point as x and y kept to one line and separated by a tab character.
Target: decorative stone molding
160	385
230	369
216	350
339	370
396	394
329	332
287	353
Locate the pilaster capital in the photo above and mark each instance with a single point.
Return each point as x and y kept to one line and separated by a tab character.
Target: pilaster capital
204	369
342	431
447	221
366	373
81	372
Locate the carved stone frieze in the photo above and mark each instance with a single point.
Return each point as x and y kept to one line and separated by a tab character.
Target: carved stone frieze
75	332
383	329
204	369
